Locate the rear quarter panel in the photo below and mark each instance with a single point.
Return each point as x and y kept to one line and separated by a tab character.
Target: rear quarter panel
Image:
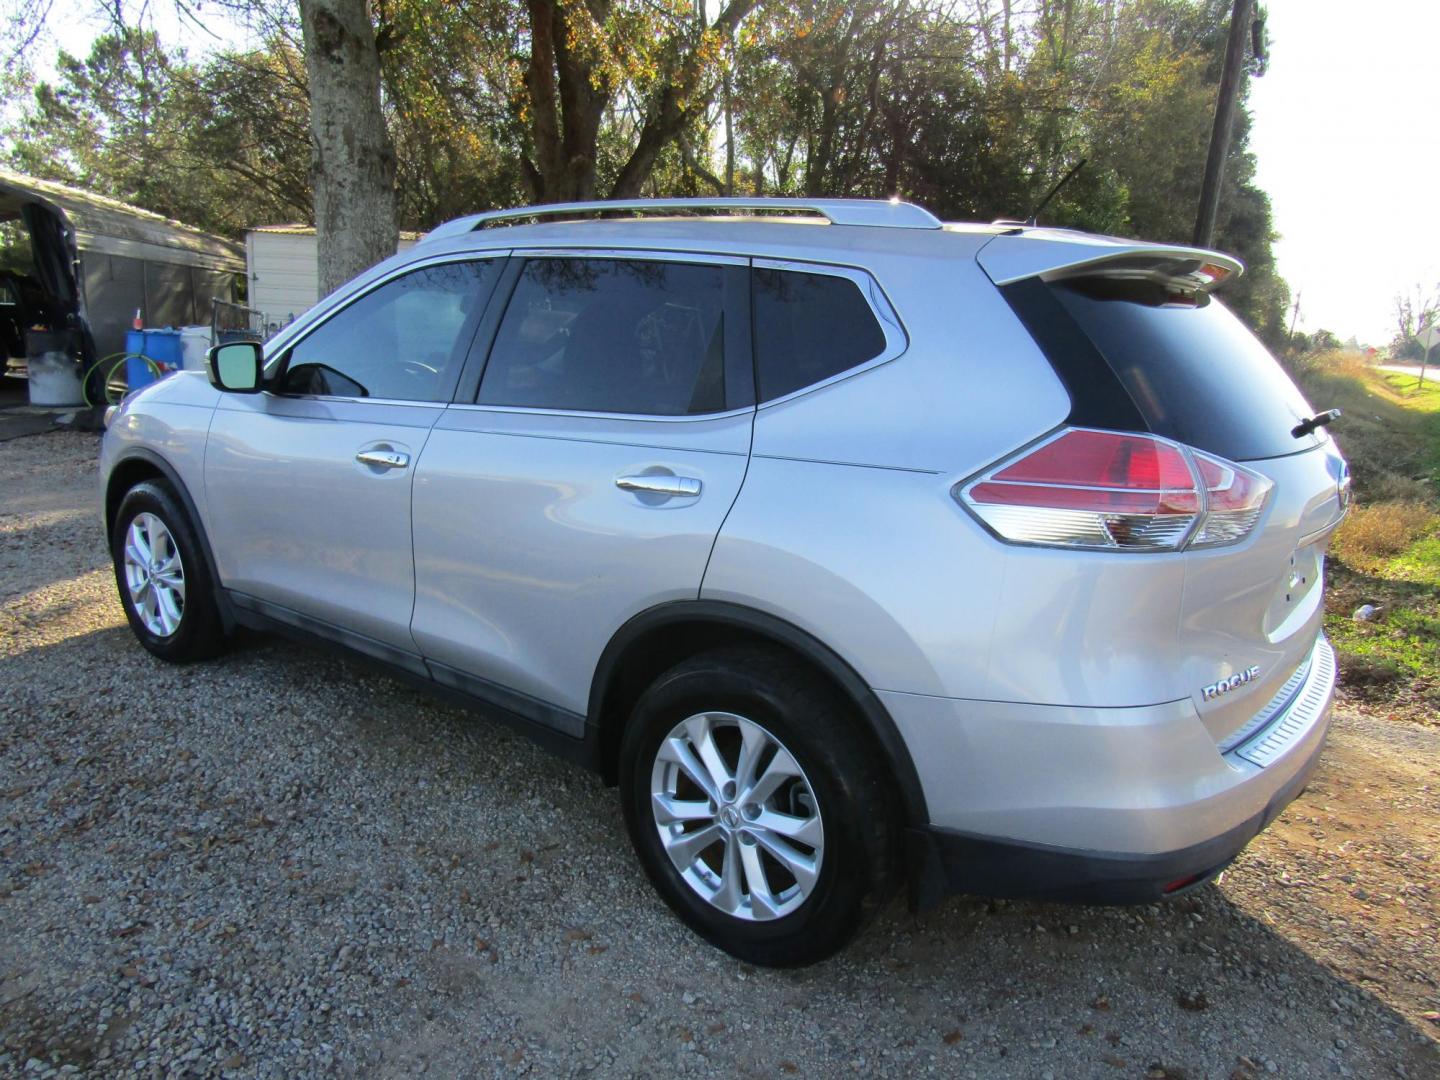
845	526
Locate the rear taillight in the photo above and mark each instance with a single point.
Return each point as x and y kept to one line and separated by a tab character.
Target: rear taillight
1114	490
1234	498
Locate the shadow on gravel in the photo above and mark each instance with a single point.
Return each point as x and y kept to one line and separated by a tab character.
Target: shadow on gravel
280	863
64	544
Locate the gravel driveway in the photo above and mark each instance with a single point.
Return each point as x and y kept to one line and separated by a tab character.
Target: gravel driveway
278	864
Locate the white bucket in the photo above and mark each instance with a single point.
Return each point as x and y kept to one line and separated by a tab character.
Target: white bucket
194	344
55	379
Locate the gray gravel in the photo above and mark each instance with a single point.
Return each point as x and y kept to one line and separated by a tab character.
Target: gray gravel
279	864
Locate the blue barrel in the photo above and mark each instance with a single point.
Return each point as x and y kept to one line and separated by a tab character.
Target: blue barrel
162	347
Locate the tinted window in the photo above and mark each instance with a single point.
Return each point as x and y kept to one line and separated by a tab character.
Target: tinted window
405	340
1193	370
611	335
809	327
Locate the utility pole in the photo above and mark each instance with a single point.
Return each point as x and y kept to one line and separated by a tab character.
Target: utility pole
1294	318
1240	18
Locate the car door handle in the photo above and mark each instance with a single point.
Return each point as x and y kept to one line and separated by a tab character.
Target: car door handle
663	484
383	459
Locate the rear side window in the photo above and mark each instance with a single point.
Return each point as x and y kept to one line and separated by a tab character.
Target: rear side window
1191	370
809	327
611	335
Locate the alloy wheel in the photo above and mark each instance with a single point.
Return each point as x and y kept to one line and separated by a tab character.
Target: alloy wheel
154	575
737	816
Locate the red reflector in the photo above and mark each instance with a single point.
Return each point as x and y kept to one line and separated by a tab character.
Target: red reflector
1180	883
1216	476
1228	489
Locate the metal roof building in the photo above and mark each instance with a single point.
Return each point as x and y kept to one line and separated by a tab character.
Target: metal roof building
97	260
283	267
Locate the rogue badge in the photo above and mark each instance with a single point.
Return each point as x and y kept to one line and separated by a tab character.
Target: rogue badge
1224	686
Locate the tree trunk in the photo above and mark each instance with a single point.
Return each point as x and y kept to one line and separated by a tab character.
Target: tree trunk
817	165
567	92
543	173
567	97
729	137
583	94
351	156
1006	38
895	159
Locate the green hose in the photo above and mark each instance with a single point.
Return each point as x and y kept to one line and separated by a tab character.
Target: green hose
118	359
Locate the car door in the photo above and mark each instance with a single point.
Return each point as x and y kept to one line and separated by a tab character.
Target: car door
587	481
308	484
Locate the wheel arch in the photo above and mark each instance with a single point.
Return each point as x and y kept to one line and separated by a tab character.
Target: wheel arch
656	640
140	464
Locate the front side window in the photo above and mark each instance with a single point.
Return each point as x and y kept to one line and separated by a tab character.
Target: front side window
809	327
404	341
612	336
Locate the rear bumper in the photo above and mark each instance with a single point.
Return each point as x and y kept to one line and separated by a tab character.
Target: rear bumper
947	862
1126	806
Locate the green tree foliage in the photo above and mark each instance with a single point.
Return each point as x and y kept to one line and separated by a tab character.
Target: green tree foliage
219	145
451	130
104	120
645	69
974	108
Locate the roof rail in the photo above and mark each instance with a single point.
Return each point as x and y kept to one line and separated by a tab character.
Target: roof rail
889	213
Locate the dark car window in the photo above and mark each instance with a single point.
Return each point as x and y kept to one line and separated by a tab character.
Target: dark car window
611	335
404	341
809	327
1193	370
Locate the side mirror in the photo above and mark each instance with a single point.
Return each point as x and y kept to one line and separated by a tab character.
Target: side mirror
237	367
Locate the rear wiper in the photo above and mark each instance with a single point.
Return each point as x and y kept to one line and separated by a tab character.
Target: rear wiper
1305	427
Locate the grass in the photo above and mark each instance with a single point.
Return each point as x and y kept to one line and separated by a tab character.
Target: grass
1375	534
1387	553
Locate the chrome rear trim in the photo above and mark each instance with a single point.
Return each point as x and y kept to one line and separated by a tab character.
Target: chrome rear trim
1277	705
1306	709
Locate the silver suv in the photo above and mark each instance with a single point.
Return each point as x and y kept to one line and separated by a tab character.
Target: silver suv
858	549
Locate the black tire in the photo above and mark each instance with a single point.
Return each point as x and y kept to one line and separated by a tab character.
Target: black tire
199	633
860	815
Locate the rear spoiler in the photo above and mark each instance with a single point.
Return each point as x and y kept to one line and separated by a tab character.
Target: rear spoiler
1057	255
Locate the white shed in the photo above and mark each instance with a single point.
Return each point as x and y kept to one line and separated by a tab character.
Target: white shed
283	269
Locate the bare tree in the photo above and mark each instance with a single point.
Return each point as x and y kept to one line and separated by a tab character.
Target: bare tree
23	22
1414	309
353	162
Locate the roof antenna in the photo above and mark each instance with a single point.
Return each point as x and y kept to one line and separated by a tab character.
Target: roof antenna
1032	219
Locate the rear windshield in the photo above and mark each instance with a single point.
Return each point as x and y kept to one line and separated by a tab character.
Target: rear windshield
1193	370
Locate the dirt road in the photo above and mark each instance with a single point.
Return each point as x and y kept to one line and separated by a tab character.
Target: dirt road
281	864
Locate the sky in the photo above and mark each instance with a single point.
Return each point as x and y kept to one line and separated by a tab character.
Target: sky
74	24
1346	142
1344	137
